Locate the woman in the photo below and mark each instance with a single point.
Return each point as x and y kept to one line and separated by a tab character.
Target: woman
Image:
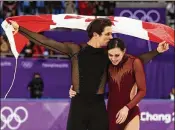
127	86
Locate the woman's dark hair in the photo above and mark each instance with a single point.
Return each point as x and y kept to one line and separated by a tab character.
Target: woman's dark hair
98	26
116	43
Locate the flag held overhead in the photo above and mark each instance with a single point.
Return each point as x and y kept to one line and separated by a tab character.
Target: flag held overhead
37	23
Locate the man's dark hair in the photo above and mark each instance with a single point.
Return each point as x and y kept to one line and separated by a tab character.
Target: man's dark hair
36	73
98	25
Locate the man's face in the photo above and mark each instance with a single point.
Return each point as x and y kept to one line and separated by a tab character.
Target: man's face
105	36
37	76
115	55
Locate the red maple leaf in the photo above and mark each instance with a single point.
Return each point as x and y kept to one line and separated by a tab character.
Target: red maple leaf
89	19
72	17
109	17
112	19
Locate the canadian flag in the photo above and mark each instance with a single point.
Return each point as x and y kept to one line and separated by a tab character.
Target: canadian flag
145	30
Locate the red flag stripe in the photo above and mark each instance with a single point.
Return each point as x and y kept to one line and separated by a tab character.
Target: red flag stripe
158	32
36	23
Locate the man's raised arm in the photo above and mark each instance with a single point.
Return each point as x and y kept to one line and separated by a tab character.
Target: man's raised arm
44	41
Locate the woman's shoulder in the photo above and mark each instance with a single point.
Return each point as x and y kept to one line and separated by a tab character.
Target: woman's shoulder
131	57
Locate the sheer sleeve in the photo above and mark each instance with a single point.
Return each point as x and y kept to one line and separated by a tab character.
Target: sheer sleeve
67	49
141	83
146	57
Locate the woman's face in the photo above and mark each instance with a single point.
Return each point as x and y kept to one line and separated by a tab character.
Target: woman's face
115	55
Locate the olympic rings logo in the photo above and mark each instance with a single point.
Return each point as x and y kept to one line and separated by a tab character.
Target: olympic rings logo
150	16
26	64
6	120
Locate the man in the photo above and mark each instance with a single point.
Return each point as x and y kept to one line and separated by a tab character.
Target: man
89	69
36	86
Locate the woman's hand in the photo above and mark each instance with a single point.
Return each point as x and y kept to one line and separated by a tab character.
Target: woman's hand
122	115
